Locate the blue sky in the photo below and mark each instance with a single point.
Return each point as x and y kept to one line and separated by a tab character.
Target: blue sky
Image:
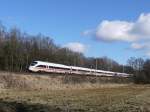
81	24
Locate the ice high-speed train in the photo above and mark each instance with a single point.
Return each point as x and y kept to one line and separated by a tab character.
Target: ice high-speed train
40	66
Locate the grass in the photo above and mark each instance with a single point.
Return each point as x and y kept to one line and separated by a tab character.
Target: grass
62	93
127	98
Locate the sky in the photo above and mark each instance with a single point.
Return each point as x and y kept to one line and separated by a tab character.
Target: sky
118	29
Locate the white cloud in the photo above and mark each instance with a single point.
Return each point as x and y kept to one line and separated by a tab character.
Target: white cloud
76	47
123	30
138	46
114	31
137	32
142	26
142	46
148	53
89	32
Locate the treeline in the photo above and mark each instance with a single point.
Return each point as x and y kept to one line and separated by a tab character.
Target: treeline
18	50
141	69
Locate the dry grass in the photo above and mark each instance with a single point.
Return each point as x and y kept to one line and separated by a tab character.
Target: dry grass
34	93
129	98
53	82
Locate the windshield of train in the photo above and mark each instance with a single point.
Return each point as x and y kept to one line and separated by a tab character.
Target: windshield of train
33	63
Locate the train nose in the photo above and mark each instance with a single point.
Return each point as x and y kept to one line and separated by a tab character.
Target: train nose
30	68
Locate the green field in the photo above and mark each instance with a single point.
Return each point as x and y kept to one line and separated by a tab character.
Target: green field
124	98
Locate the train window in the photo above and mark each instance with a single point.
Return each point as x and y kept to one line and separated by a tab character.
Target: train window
83	70
50	67
33	63
42	66
74	70
59	68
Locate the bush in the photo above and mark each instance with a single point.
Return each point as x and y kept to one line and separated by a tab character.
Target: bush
142	77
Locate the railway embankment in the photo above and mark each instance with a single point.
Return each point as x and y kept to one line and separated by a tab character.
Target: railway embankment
54	81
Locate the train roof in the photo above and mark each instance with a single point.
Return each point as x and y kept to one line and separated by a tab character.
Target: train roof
53	64
78	68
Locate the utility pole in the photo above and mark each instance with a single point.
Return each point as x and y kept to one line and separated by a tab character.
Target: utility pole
123	68
111	66
96	64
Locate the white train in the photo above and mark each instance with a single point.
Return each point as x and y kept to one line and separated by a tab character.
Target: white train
40	66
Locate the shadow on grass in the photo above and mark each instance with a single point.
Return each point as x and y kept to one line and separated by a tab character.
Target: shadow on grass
24	107
6	106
